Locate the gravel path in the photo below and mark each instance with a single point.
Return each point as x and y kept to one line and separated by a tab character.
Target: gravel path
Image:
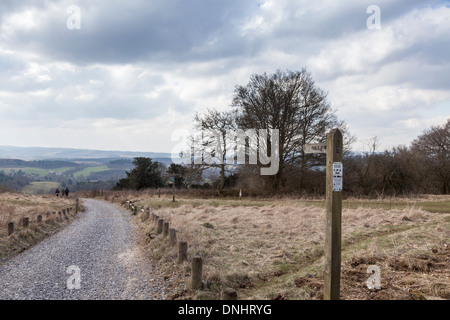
101	249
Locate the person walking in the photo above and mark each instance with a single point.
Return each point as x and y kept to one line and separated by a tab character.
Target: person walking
57	192
67	192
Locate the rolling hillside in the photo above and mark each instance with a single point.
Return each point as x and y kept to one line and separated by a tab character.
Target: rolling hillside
42	170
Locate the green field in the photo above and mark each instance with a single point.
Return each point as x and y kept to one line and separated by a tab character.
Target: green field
35	171
430	206
41	173
441	205
27	170
87	171
62	170
47	180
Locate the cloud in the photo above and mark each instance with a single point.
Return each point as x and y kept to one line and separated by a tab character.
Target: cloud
137	70
126	32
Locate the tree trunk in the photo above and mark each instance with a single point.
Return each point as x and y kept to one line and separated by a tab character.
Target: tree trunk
278	178
222	181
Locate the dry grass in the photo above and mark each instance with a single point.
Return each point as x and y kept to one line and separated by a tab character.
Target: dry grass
274	249
16	206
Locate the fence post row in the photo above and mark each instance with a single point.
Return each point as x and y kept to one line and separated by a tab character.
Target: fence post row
197	262
39	219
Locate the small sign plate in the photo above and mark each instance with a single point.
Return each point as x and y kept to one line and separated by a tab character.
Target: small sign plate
315	148
337	176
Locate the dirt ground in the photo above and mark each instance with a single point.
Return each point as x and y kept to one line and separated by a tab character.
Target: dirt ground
420	277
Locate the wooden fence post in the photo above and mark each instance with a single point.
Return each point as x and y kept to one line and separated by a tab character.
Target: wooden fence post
333	232
166	229
146	214
10	228
196	273
159	228
182	251
172	236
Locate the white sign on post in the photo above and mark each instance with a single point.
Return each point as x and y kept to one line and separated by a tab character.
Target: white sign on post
315	148
337	176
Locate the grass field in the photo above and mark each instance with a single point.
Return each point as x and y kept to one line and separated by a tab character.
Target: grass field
28	171
87	171
41	187
44	172
43	180
274	249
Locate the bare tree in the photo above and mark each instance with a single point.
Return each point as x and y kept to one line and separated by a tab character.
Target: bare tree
292	103
433	146
210	144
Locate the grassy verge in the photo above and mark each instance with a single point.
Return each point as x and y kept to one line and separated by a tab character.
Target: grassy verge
16	206
36	187
273	248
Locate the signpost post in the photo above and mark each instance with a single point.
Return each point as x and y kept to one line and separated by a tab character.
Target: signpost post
333	231
333	228
173	189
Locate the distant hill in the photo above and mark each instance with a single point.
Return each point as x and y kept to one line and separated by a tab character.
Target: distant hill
41	170
42	164
68	154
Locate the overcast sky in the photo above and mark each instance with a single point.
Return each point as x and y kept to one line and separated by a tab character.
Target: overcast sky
136	71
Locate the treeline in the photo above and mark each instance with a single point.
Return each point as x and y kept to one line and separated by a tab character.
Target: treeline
422	167
15	182
259	141
258	146
153	174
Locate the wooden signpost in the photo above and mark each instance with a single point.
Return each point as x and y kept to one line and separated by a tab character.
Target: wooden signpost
333	226
333	230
